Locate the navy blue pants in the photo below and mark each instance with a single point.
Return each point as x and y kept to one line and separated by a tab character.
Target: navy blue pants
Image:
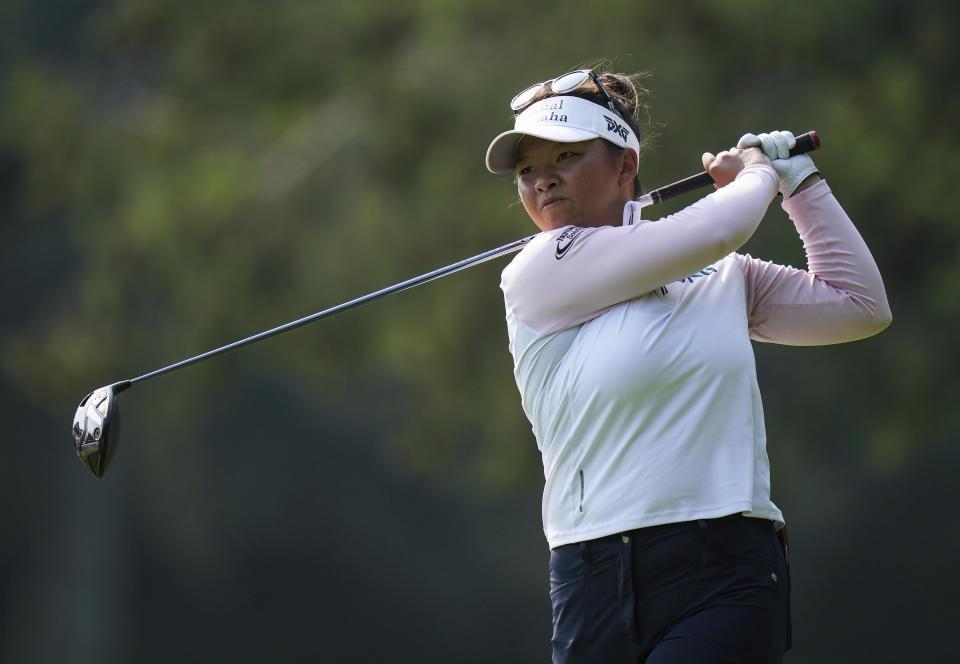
708	591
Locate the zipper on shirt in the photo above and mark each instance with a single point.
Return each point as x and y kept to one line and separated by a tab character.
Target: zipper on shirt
581	489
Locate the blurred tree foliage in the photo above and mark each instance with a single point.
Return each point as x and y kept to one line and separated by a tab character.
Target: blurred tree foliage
175	175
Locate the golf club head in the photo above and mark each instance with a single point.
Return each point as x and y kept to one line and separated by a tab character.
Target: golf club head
96	429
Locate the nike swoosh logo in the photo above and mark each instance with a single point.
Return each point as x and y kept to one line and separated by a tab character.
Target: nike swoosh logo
565	241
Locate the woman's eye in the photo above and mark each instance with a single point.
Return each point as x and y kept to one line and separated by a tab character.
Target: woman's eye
525	170
565	155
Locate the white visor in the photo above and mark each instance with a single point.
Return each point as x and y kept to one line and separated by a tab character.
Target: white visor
563	119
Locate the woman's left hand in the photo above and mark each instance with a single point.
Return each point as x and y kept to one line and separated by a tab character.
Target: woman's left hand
797	172
723	167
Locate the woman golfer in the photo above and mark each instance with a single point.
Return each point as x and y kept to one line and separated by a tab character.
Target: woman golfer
632	353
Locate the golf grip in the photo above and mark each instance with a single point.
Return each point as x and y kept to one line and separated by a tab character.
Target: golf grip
805	143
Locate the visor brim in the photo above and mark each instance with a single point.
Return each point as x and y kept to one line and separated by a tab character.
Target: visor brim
502	153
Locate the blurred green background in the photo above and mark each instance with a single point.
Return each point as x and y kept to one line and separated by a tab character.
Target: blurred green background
175	175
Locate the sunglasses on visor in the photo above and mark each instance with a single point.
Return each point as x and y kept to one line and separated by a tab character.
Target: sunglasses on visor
560	85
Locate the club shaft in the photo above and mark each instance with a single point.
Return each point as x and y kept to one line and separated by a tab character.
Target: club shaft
805	143
510	248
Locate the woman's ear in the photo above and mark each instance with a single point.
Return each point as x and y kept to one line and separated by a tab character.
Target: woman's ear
628	166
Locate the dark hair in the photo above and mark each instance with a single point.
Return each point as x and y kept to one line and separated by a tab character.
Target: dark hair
629	101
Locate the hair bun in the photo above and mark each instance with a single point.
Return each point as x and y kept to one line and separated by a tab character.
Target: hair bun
625	89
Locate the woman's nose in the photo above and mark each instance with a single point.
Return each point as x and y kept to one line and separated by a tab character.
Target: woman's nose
546	179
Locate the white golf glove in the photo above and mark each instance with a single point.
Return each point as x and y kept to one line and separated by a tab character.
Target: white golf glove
776	145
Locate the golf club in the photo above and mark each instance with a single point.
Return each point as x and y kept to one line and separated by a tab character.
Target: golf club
96	424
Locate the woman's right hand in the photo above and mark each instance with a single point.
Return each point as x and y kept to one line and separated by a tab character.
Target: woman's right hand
723	167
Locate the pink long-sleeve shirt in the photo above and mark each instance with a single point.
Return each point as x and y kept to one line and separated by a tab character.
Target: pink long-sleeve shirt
632	352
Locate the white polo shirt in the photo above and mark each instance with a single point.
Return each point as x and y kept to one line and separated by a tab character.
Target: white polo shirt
632	353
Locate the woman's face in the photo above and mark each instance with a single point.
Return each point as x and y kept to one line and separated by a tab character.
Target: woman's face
580	184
